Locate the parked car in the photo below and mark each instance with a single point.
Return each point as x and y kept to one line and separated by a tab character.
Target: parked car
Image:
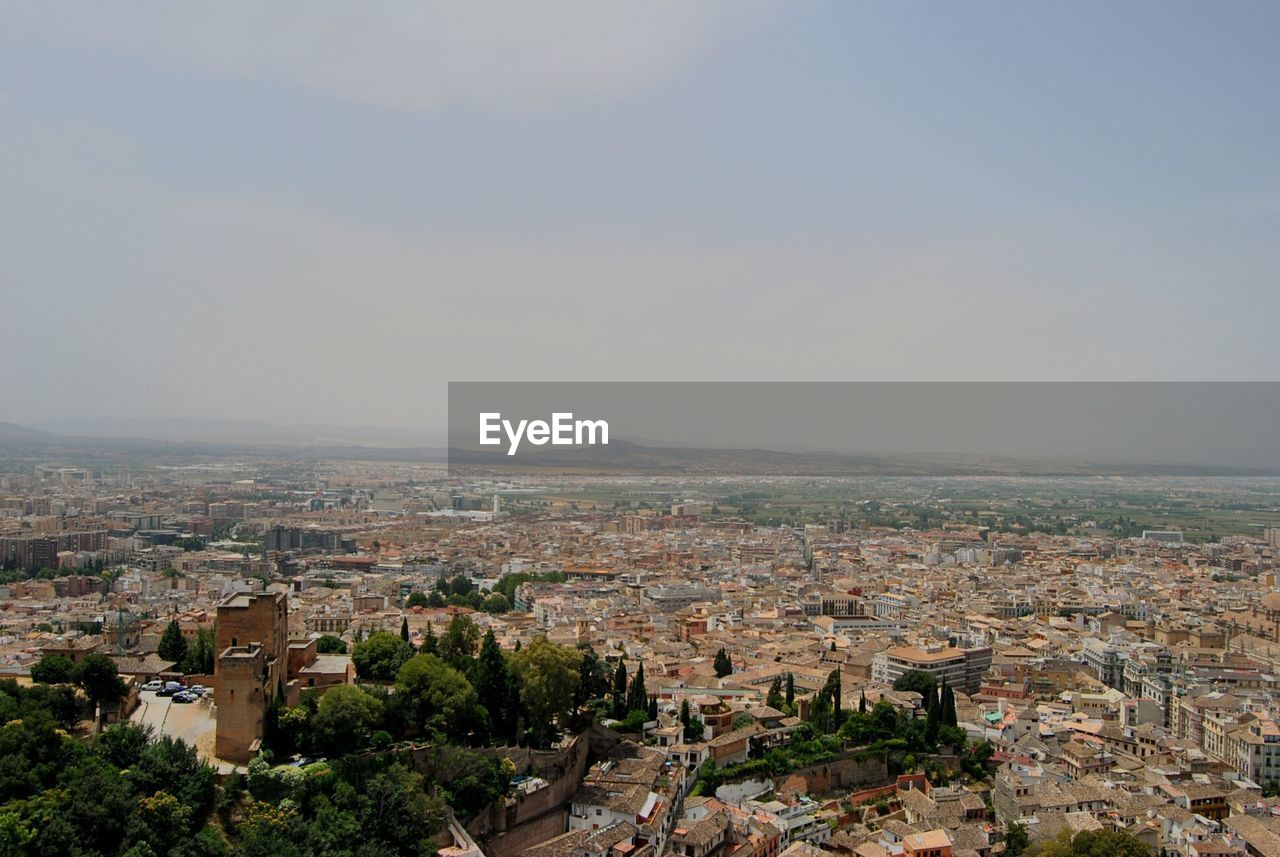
170	688
185	696
154	684
198	690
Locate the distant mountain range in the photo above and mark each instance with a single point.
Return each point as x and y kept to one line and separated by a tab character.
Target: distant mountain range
182	436
622	456
251	432
13	430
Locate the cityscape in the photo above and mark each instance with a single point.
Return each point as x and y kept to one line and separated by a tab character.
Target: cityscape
609	664
639	428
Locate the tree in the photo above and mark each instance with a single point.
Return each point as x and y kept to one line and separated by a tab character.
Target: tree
933	718
345	716
637	695
593	684
833	680
459	642
52	668
948	705
331	645
618	697
693	728
430	645
723	665
173	646
1108	843
439	698
404	628
380	657
774	697
916	681
202	653
1092	843
548	674
1015	839
496	603
417	598
493	683
99	679
791	691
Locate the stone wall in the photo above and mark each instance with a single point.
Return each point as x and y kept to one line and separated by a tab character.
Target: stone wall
512	824
842	774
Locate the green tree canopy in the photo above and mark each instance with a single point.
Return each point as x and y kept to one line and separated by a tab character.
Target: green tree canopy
917	681
439	698
548	676
52	668
331	645
380	657
99	679
459	642
345	717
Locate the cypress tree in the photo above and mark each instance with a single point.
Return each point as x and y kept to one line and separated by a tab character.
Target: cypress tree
948	704
723	665
774	697
933	719
833	683
791	690
620	691
492	679
637	694
404	628
173	646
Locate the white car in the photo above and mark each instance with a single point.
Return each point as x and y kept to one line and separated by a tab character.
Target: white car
154	684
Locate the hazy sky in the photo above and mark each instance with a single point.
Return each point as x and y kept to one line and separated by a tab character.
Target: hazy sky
323	211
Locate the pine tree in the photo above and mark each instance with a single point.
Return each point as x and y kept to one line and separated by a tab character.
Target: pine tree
430	645
620	691
723	665
173	646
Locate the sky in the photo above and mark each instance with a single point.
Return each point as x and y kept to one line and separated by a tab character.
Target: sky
319	211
